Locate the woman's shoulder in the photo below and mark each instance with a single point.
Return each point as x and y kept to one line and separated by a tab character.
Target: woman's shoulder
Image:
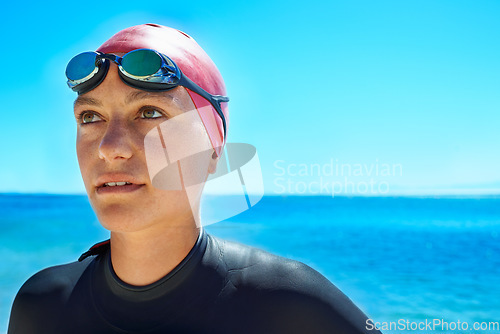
252	261
285	288
54	279
44	292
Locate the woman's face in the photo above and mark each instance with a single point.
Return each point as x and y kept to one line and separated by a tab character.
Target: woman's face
113	120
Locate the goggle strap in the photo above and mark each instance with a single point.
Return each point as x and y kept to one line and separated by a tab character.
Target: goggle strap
108	56
214	100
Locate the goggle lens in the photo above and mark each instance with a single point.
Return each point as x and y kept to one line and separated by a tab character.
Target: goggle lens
81	66
141	63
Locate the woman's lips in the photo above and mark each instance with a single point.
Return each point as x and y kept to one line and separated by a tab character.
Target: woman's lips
118	189
117	183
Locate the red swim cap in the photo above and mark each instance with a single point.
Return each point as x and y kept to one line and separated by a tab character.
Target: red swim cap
191	59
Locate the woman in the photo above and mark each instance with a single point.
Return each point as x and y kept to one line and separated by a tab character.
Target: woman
152	120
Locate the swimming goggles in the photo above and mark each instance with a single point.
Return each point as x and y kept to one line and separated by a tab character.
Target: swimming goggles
144	69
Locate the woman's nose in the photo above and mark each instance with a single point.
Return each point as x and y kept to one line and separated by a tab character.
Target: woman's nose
116	144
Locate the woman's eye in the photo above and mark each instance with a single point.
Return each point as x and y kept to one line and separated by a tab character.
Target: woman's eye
151	113
89	117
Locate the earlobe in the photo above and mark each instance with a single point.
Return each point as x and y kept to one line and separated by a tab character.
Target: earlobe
213	163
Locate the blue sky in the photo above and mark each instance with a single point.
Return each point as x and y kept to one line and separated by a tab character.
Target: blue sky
404	86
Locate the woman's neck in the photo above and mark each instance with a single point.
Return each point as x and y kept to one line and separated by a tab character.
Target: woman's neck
143	257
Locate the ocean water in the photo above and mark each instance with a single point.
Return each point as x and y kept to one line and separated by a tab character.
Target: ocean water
410	259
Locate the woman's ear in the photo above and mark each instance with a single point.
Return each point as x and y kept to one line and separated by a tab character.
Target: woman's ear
212	167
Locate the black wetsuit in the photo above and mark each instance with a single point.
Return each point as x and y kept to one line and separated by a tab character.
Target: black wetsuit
220	287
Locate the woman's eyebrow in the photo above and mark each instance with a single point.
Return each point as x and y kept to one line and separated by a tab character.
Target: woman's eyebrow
84	100
141	95
131	97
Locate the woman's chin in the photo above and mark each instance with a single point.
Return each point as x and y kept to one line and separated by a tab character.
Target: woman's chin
122	223
128	219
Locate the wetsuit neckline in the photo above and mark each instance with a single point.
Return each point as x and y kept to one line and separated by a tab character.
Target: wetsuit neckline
177	274
108	291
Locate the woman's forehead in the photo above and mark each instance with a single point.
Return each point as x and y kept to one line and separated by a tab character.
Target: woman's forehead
114	91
